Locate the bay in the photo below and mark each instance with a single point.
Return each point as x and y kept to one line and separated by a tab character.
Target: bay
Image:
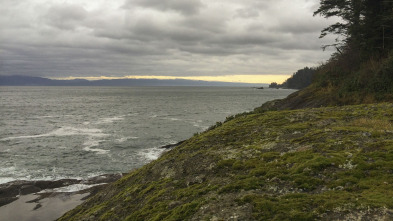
50	133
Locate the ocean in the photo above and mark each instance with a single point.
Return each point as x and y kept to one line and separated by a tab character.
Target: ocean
51	133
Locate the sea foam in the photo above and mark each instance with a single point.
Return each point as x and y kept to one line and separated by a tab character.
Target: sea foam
71	188
151	153
93	143
109	120
63	131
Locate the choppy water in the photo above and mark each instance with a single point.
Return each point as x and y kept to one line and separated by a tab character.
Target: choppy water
49	133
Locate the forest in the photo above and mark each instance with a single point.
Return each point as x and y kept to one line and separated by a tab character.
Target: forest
299	80
361	68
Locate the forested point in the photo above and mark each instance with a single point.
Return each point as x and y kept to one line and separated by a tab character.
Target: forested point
361	68
299	80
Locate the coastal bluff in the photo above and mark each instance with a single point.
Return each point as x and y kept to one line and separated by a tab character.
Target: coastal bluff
327	163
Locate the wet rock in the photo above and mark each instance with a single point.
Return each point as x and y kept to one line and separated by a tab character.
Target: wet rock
106	178
27	189
9	192
170	146
7	200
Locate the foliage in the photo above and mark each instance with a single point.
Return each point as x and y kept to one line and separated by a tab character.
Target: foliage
366	25
299	80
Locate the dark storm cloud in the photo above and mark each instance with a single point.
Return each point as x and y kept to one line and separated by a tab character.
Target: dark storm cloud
158	37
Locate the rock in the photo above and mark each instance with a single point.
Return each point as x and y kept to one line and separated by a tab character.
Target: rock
9	192
7	200
27	189
170	146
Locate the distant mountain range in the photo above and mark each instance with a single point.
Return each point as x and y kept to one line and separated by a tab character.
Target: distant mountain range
39	81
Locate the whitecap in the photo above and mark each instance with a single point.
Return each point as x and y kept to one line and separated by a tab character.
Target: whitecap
97	150
46	116
133	114
63	131
151	153
6	179
4	170
71	188
200	126
172	119
92	143
7	174
123	139
70	131
109	120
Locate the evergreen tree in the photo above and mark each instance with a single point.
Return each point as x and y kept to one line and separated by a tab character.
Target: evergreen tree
366	27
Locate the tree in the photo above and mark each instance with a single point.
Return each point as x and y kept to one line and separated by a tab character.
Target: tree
274	85
366	25
299	80
349	11
378	25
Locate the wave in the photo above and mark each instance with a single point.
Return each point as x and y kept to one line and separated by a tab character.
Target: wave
151	154
71	188
64	131
124	139
91	133
109	120
47	116
13	173
173	119
93	143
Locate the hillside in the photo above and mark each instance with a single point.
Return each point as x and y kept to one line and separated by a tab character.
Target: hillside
340	82
330	163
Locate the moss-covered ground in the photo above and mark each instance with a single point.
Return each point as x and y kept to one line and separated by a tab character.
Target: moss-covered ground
331	163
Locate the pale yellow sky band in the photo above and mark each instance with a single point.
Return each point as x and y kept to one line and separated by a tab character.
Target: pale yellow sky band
258	79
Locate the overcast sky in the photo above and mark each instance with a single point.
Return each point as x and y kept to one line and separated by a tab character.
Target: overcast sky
193	38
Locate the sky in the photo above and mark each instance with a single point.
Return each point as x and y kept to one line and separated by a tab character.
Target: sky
258	41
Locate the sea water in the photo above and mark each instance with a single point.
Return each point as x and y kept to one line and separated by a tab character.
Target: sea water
50	133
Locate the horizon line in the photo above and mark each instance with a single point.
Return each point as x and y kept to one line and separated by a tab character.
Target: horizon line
248	79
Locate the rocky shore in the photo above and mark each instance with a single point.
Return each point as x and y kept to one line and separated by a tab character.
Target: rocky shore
47	200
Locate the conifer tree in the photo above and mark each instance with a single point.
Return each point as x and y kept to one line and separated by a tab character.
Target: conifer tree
366	25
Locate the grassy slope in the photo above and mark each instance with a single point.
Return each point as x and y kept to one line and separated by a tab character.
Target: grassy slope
338	82
324	163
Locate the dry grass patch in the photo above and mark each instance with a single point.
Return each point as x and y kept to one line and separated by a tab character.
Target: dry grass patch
375	124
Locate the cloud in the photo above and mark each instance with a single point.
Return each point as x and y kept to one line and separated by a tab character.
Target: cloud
157	37
66	16
181	6
247	13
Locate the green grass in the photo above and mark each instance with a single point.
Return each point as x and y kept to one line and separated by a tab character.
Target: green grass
308	164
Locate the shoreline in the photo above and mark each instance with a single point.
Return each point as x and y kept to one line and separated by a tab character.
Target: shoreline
50	199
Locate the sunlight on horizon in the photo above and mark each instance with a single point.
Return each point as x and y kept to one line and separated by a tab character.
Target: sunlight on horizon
254	79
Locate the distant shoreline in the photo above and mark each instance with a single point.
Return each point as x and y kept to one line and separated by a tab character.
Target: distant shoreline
40	81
